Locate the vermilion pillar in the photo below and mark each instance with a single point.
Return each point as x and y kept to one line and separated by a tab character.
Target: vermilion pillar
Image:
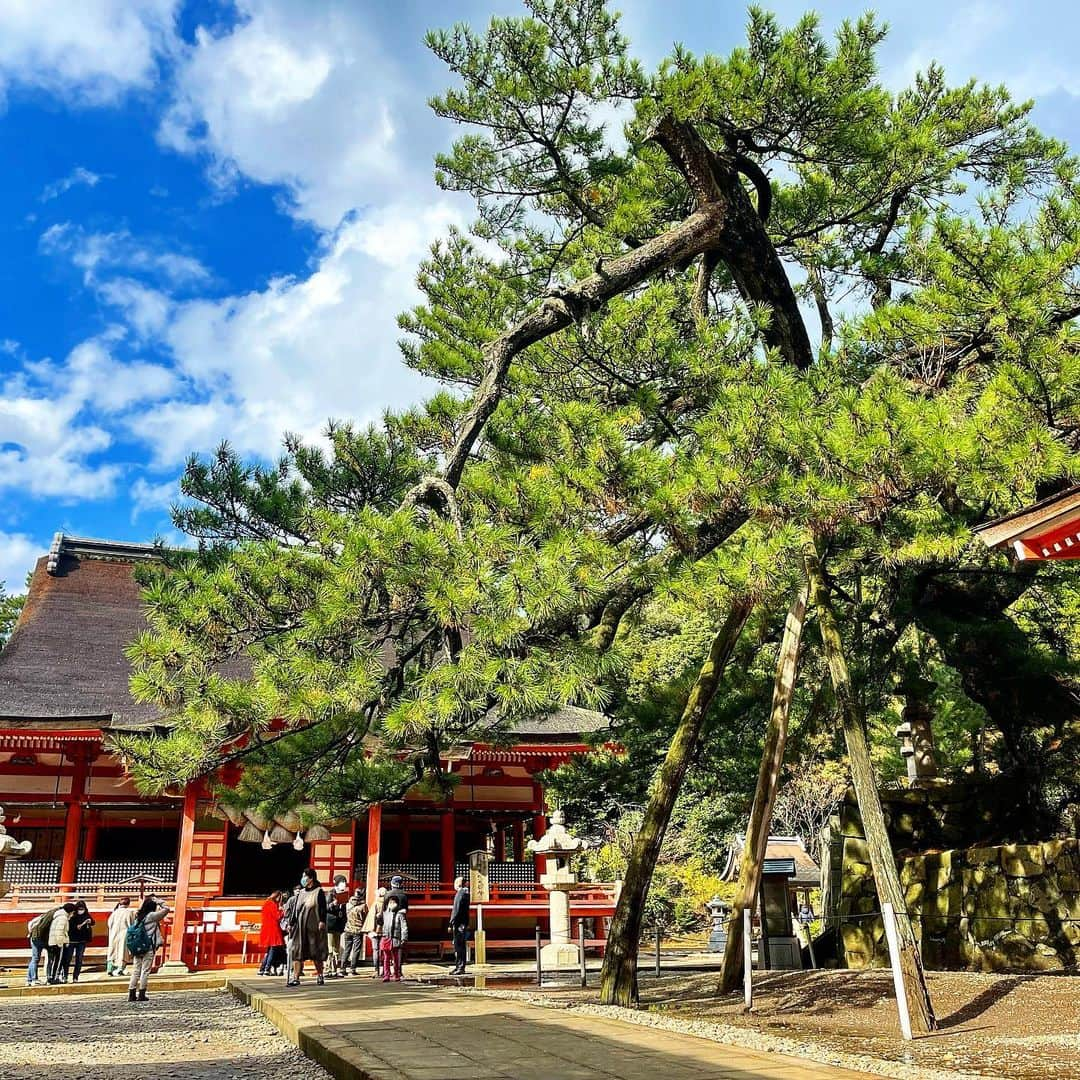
447	830
90	847
374	840
519	840
500	843
175	959
69	861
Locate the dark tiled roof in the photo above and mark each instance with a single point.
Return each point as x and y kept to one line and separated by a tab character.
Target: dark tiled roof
65	658
569	720
786	854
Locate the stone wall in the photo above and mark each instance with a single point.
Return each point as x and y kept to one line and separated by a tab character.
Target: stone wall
1011	907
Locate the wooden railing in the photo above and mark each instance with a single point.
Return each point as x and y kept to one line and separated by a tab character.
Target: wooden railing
96	894
100	895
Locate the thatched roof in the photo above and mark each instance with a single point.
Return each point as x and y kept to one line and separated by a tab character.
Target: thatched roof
65	659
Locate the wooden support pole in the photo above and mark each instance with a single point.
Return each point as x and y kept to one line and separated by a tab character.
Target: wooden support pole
893	940
581	948
882	863
748	960
519	840
69	861
374	842
772	759
175	960
447	840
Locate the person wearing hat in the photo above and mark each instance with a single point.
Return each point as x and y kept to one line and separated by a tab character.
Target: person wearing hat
397	891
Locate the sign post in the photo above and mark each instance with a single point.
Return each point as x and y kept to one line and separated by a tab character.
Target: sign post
480	893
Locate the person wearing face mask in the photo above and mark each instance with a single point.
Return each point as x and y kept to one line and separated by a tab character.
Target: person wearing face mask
335	924
308	932
80	933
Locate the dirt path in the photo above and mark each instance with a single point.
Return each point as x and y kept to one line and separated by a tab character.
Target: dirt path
1023	1027
193	1035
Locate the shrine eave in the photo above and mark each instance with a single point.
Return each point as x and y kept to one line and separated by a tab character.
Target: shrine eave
1044	532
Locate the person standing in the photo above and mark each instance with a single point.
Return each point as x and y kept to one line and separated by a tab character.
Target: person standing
397	891
459	926
309	928
80	933
288	923
271	938
336	915
58	938
120	918
37	931
143	939
352	951
373	929
395	934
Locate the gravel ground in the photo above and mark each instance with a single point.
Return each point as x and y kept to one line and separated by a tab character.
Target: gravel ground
193	1035
1022	1027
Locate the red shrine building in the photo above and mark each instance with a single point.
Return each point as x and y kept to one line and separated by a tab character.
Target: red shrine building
64	691
1046	531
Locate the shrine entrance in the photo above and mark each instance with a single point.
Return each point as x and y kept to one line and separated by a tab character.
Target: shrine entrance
251	870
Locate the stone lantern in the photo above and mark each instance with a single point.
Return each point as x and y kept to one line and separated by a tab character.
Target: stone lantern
718	911
10	848
556	847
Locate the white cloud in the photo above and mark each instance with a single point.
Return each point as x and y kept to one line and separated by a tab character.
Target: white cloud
303	350
18	553
97	254
57	418
299	95
89	52
147	497
78	177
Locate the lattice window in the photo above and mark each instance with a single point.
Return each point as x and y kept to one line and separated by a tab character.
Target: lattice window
512	873
119	873
22	872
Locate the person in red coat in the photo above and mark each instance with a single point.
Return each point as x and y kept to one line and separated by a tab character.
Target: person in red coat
271	939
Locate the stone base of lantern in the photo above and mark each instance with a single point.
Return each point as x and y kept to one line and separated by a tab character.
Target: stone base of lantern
559	955
174	967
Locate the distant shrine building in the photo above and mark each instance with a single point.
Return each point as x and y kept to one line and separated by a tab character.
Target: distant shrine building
64	690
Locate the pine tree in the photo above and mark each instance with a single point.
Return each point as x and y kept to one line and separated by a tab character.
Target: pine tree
639	406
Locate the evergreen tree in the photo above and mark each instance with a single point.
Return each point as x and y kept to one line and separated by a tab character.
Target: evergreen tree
649	419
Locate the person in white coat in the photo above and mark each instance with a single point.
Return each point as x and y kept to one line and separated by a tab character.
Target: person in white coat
121	917
58	938
150	915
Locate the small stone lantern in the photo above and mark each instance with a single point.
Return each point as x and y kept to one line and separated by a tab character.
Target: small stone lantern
10	848
718	915
556	847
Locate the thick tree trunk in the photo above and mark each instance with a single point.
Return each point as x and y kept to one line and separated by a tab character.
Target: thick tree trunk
864	781
618	981
772	758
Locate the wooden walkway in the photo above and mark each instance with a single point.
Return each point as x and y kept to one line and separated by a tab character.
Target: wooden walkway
359	1029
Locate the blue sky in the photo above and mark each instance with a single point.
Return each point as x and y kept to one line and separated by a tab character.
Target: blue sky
211	212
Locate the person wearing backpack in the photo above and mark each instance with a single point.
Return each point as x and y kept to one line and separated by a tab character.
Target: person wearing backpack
37	930
120	918
395	932
80	934
143	940
58	938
